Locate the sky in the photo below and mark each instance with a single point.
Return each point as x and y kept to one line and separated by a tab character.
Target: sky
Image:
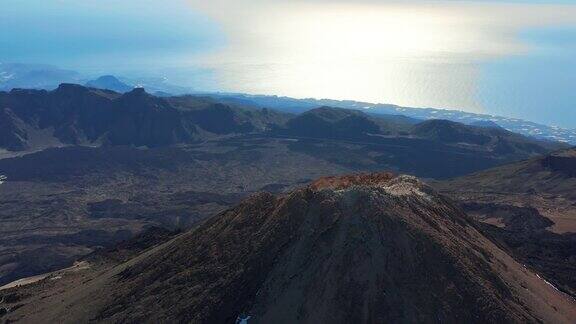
508	58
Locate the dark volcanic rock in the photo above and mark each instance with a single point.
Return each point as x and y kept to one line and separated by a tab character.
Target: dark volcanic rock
496	139
514	218
449	131
552	174
333	123
562	163
356	249
220	119
12	133
75	163
144	120
78	115
532	203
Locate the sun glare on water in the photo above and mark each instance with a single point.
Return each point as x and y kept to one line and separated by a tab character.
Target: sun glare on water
372	33
372	54
376	53
416	54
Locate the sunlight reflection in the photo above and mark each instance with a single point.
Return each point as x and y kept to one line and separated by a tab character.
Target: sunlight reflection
415	54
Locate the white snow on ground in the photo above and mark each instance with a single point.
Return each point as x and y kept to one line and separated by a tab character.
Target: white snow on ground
242	319
546	281
2	179
558	290
4	76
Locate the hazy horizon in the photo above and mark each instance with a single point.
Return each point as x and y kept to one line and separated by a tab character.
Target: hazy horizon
513	58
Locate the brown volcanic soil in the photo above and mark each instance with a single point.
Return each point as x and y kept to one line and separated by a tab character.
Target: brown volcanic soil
366	249
59	205
530	209
345	181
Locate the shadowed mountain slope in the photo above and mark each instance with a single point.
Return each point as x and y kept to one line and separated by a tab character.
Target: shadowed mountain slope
13	135
76	115
361	249
337	123
553	174
292	105
494	139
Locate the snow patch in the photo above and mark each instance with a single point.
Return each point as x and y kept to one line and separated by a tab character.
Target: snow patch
551	285
546	281
2	179
241	319
5	76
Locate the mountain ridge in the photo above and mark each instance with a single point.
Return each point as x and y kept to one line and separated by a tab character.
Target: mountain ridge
48	77
293	105
79	115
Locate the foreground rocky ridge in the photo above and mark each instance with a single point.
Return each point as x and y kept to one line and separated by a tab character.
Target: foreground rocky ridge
363	248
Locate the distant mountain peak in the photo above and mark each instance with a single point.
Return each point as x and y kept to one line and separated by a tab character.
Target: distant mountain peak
109	82
138	91
71	88
485	124
67	86
108	77
139	94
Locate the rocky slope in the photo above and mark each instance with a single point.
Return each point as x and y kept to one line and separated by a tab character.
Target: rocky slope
363	249
530	208
551	174
59	204
334	123
495	139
